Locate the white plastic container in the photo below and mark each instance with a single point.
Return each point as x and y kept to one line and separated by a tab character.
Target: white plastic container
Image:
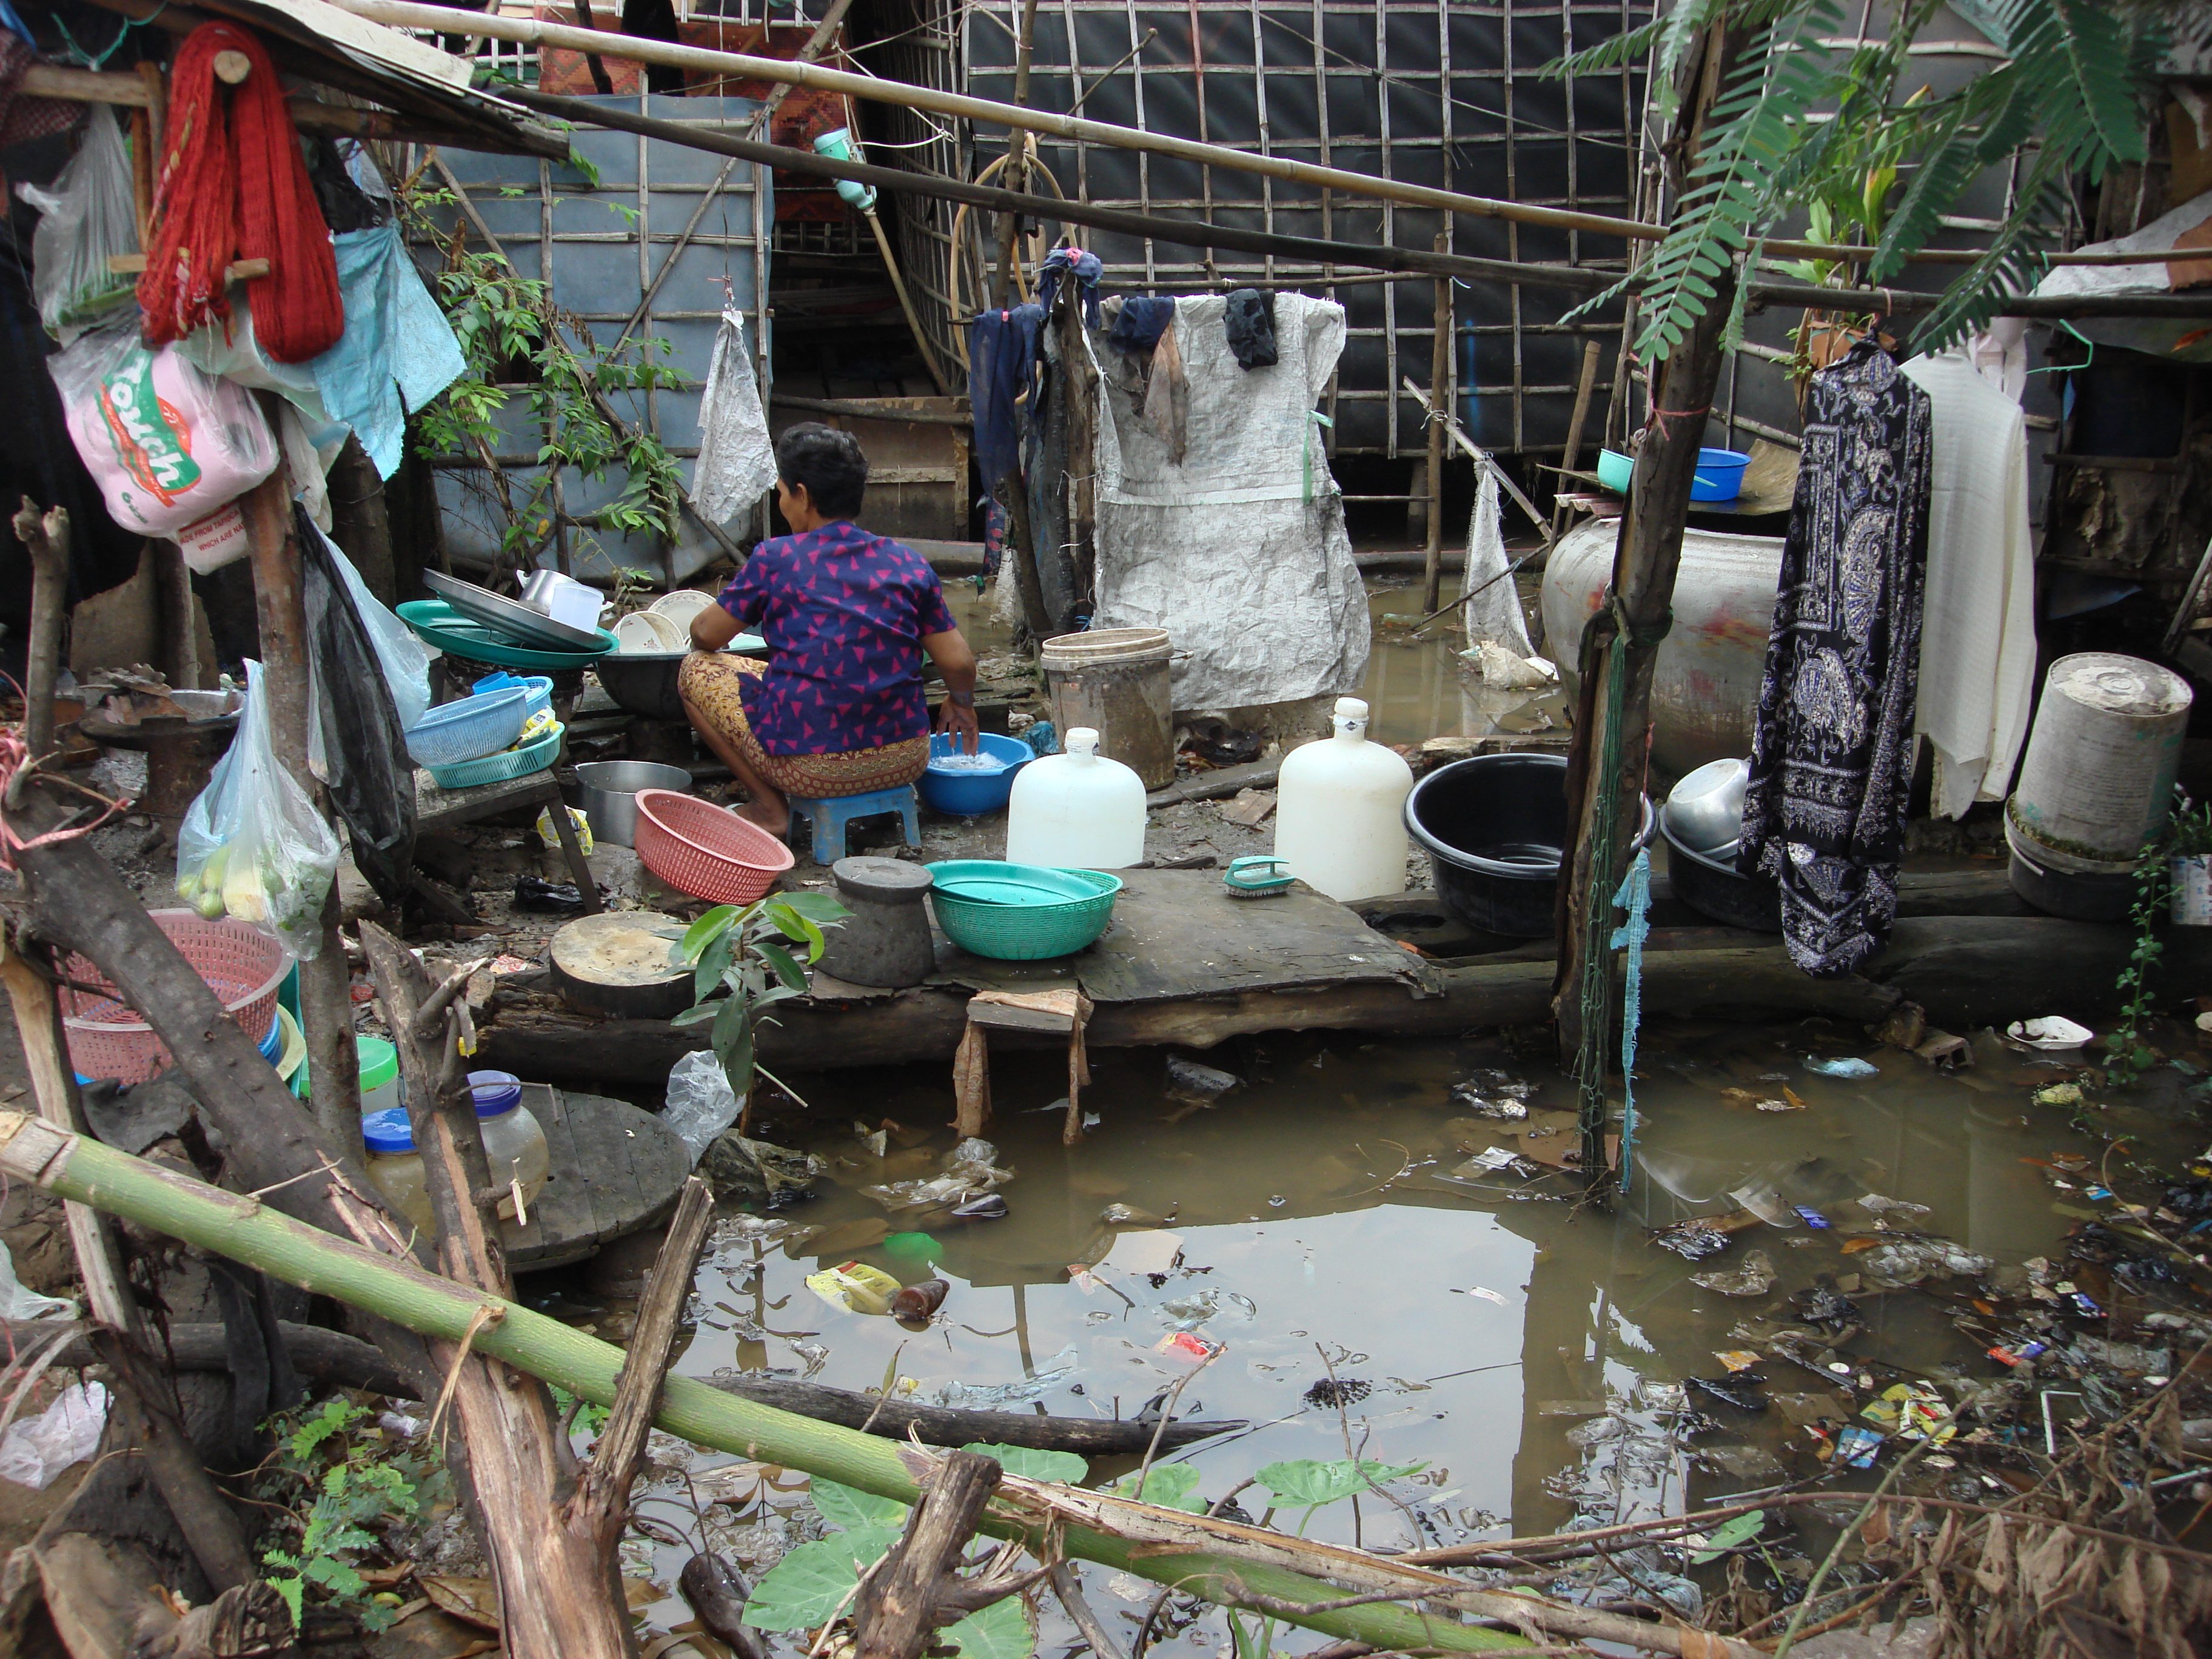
1077	811
513	1141
1341	811
2096	782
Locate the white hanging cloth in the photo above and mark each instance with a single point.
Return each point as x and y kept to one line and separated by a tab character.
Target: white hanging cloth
737	457
1977	630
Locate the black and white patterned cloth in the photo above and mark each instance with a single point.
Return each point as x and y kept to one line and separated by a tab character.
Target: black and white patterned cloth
1832	757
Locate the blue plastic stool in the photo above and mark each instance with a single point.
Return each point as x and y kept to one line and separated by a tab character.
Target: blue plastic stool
827	820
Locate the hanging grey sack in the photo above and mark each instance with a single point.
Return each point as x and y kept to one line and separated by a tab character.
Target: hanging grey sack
737	457
364	760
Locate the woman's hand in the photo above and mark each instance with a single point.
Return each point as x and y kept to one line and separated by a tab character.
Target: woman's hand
960	717
956	661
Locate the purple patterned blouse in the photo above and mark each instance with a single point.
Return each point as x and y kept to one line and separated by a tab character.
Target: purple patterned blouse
844	613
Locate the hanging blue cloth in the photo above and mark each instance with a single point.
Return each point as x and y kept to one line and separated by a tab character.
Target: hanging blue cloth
1001	344
1635	897
398	351
1142	321
1085	268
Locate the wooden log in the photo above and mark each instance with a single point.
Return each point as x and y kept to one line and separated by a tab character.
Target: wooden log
330	1359
896	1610
45	536
940	1426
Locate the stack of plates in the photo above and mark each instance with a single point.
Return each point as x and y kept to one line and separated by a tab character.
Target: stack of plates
645	633
507	618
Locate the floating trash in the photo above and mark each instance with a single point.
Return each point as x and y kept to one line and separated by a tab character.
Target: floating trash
1754	1278
977	1396
1497	1108
1691	1242
1845	1066
1201	1086
2051	1032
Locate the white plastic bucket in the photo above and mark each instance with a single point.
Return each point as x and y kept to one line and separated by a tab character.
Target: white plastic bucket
2097	781
2190	905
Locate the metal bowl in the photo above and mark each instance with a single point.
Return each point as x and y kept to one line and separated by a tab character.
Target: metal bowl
1705	811
607	793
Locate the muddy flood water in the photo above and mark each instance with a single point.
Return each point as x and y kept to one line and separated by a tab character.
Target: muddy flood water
1328	1225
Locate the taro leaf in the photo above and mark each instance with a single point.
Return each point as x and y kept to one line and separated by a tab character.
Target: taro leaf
1001	1631
842	1506
1726	1536
808	1585
1306	1484
1032	1463
1173	1486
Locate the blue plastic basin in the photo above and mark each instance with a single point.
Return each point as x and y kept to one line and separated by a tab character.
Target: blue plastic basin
971	794
1719	475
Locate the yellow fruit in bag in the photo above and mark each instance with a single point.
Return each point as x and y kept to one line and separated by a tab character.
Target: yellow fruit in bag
855	1286
243	894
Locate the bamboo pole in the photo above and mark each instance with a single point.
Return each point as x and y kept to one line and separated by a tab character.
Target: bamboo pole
1222	1561
407	15
1440	318
1187	233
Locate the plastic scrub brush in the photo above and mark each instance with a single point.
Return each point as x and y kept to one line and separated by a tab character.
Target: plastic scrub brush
1256	876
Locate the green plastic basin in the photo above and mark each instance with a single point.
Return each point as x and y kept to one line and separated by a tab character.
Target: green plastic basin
1020	912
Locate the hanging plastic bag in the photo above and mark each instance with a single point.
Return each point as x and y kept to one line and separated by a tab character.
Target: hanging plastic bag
167	442
362	755
737	457
87	217
404	659
253	845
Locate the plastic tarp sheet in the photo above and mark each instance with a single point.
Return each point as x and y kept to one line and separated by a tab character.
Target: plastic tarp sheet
1240	552
737	457
2177	250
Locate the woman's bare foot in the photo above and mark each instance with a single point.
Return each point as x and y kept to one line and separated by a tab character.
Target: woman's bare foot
759	812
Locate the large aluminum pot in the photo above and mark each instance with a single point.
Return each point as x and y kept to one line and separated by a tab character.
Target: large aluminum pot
1705	695
607	793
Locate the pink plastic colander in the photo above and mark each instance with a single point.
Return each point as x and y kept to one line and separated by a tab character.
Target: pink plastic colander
242	965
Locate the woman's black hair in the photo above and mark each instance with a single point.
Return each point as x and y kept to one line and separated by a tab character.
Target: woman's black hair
830	463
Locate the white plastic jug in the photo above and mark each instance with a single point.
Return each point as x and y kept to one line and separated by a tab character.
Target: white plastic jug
1339	811
1078	810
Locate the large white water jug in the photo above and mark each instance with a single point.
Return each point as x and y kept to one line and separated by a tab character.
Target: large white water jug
1339	811
1077	811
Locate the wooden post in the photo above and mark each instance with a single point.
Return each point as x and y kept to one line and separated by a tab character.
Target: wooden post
180	642
326	985
1645	559
1432	568
361	524
1018	158
46	536
1573	458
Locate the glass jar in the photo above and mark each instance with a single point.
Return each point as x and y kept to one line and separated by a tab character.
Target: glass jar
514	1141
397	1168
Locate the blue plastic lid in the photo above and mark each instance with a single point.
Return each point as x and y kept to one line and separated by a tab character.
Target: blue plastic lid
498	682
495	1092
387	1131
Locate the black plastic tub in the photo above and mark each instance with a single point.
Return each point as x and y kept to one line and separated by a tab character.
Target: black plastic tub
1716	889
1494	828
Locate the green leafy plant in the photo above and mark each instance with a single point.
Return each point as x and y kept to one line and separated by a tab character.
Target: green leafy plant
519	346
742	961
1805	117
2128	1053
1729	1534
335	1479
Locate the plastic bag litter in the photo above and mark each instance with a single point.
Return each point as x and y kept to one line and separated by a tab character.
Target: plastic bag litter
701	1104
1846	1066
404	659
1912	1411
17	1302
970	1396
737	457
1692	1242
776	1176
37	1448
167	442
1909	1260
252	844
1498	1109
854	1287
397	352
970	1171
1754	1278
87	218
358	742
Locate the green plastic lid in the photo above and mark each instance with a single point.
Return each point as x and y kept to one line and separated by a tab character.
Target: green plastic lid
912	1246
380	1062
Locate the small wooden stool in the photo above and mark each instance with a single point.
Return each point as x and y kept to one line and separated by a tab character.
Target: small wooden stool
1068	1010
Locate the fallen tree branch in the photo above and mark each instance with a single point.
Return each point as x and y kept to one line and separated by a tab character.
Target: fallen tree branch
904	1600
942	1425
327	1356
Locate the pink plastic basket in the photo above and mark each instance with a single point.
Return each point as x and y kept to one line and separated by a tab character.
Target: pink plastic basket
705	850
242	965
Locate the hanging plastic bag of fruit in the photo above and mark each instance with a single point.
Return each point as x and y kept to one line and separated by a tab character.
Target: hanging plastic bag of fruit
253	845
86	220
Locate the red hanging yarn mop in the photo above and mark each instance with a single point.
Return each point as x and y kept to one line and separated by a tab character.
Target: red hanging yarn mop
235	186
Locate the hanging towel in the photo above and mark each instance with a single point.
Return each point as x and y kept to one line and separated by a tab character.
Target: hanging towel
1072	262
1495	613
398	351
1001	346
1167	395
1249	322
1978	633
1831	755
737	457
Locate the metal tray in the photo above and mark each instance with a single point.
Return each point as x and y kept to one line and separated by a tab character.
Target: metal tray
437	623
516	622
